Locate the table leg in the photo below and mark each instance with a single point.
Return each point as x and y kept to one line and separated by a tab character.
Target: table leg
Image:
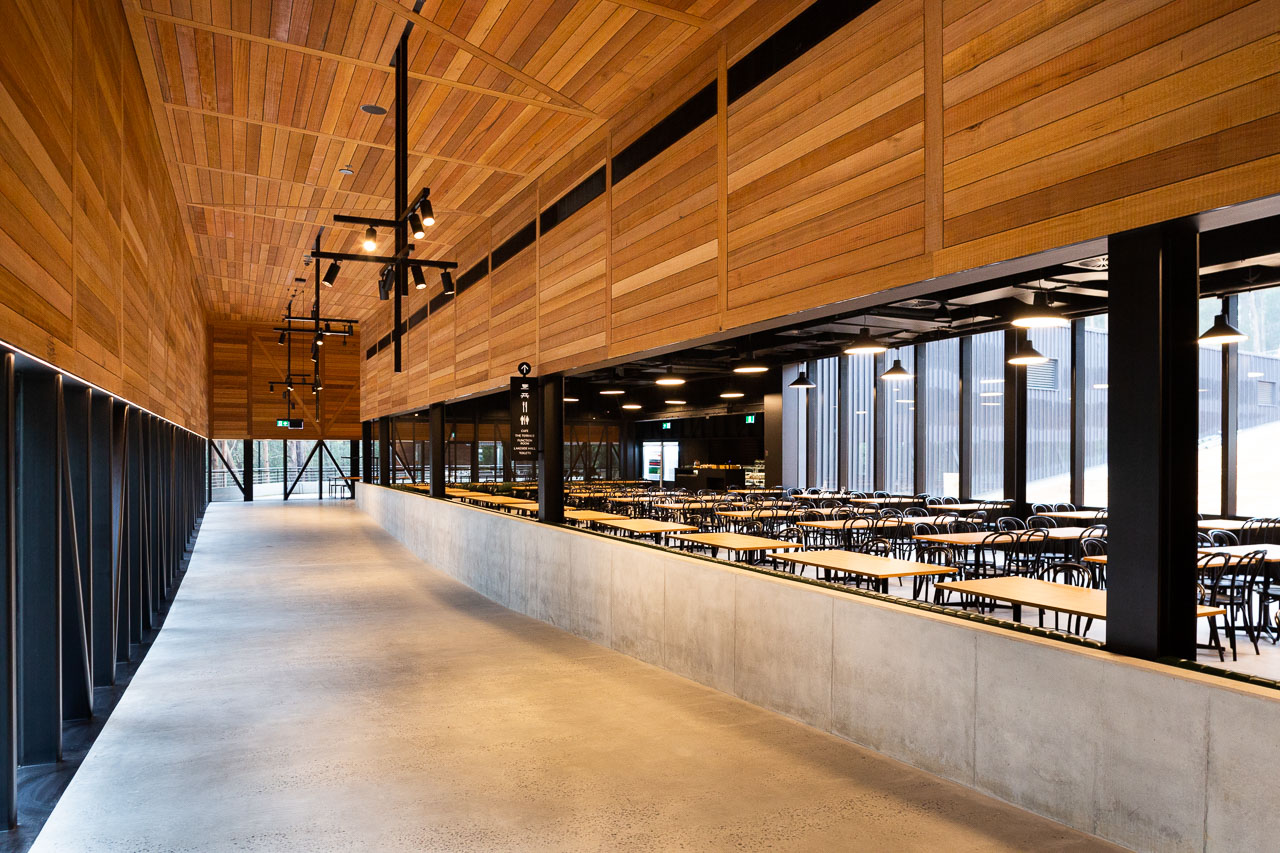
882	585
1017	613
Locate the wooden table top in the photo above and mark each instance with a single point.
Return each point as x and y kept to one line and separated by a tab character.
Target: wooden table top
895	500
1236	551
738	541
528	506
1031	592
591	515
772	513
868	565
867	521
645	525
495	499
1221	523
1076	514
969	539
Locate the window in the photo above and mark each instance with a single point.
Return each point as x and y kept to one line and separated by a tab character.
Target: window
860	401
1210	415
896	399
941	384
823	424
1049	419
1258	424
986	416
1094	364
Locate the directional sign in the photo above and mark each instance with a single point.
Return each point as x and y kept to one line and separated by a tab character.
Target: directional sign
524	419
291	423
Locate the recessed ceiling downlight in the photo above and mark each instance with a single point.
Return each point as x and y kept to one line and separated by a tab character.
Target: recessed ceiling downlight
373	109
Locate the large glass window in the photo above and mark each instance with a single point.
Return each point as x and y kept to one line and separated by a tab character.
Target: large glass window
1210	415
1094	365
896	398
1049	417
1258	468
860	401
986	416
940	384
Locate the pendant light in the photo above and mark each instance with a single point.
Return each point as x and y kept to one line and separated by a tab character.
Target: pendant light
1222	332
801	381
670	379
864	343
731	395
751	366
897	372
370	239
1027	354
1039	315
612	392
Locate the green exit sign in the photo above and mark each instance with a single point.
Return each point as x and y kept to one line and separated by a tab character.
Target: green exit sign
289	423
751	419
281	422
666	424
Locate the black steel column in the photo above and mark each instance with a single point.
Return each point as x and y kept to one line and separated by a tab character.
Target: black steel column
353	456
437	450
39	560
401	190
366	451
879	478
919	458
8	597
77	579
551	452
384	451
1079	425
284	468
247	471
965	427
1152	441
102	512
1230	409
475	447
1015	425
121	448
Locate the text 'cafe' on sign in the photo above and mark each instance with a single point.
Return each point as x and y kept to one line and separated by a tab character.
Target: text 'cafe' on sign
524	419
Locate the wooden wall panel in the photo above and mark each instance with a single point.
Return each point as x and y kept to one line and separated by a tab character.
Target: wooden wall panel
826	167
513	295
246	357
96	273
925	137
1054	117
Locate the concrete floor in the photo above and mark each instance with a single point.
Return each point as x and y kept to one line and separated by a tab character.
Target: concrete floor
317	688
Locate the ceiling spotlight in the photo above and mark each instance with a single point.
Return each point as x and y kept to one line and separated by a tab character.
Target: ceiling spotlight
281	341
415	225
670	379
1027	354
611	392
419	280
630	405
802	381
1039	315
897	372
864	343
1222	332
319	340
385	284
731	395
315	353
428	215
370	239
331	274
289	387
446	279
571	399
674	402
346	170
751	366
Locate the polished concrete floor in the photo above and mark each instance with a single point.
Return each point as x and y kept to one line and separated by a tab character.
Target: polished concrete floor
316	688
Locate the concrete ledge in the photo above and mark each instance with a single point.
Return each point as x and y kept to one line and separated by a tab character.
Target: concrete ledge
1149	756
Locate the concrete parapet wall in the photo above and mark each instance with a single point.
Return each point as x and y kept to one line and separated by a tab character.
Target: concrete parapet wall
1149	756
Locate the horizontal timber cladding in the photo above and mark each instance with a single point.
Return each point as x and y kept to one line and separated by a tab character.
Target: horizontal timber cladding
246	357
96	271
806	157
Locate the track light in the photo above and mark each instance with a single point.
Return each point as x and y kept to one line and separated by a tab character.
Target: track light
1039	315
802	381
1027	354
751	366
419	280
428	216
319	339
281	341
370	239
315	353
1222	332
864	343
446	279
415	226
385	284
670	379
897	372
331	274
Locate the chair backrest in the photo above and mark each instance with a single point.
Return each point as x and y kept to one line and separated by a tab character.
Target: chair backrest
950	500
1093	547
1219	538
915	512
881	495
844	512
923	528
962	526
829	503
1064	507
946	517
751	528
791	534
936	555
878	547
1211	569
1068	573
1036	509
811	515
933	501
1204	539
1009	522
890	512
1094	531
1041	521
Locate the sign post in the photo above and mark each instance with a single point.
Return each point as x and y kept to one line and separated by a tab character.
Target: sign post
524	416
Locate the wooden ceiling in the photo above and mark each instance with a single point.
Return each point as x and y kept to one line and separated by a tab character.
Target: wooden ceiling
258	106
